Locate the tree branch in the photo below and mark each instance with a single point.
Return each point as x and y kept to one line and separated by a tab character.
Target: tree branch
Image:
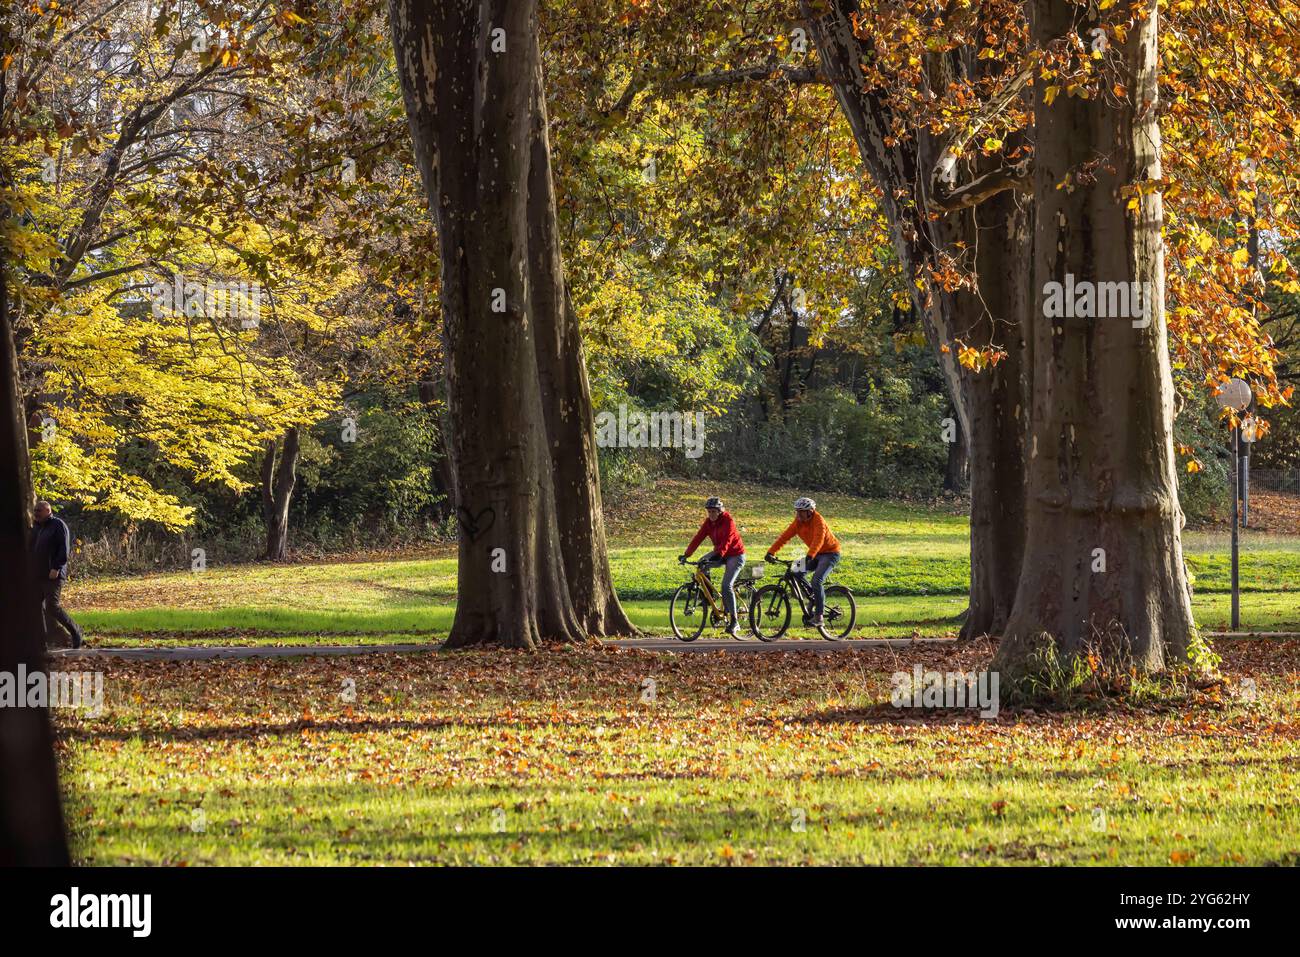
978	190
773	69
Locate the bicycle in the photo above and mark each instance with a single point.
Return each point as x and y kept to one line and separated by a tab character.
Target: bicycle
769	611
698	603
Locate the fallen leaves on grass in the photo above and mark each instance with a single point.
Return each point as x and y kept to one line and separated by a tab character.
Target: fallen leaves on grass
729	739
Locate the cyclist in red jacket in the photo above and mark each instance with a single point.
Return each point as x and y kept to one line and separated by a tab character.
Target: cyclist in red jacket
728	551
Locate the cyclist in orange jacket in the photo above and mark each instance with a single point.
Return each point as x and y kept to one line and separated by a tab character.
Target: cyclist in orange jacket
823	551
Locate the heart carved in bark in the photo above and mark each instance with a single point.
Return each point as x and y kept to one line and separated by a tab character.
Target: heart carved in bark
475	525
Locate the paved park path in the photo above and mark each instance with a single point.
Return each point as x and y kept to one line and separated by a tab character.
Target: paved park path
207	652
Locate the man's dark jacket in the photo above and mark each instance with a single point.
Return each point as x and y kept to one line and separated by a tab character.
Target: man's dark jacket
50	544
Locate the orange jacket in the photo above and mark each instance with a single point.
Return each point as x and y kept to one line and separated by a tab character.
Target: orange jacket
816	534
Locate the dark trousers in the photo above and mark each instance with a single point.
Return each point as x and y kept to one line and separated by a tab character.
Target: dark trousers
822	566
52	608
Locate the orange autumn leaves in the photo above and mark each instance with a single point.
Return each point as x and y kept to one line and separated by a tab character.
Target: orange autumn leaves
1229	122
977	359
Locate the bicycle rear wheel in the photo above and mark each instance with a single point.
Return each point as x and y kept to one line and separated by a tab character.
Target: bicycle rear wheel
769	613
839	615
687	612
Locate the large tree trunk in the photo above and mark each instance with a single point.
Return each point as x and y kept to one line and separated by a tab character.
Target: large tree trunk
1101	481
443	475
990	404
31	815
999	403
471	115
956	471
566	398
279	475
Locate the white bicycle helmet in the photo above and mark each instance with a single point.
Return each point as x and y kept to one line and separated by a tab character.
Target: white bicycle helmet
801	503
714	502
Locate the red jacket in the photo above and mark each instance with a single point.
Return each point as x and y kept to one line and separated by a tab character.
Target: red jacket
725	537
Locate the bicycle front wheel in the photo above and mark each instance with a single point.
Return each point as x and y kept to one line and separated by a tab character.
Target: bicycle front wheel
687	613
769	613
840	613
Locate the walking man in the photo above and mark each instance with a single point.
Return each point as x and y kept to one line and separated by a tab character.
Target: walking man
51	542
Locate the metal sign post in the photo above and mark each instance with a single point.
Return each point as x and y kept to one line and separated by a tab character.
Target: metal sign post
1236	497
1245	485
1248	433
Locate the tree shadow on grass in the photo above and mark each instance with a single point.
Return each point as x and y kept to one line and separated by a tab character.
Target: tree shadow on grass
557	823
260	729
429	594
884	713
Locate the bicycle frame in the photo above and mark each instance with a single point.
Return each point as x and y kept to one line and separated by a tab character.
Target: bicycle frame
710	591
706	586
791	582
802	592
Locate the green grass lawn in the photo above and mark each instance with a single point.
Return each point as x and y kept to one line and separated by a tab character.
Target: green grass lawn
492	757
908	565
558	757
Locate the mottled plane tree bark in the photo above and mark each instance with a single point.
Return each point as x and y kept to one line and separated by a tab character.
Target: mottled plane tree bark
1103	570
532	562
566	396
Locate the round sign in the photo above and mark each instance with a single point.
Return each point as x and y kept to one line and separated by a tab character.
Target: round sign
1234	394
